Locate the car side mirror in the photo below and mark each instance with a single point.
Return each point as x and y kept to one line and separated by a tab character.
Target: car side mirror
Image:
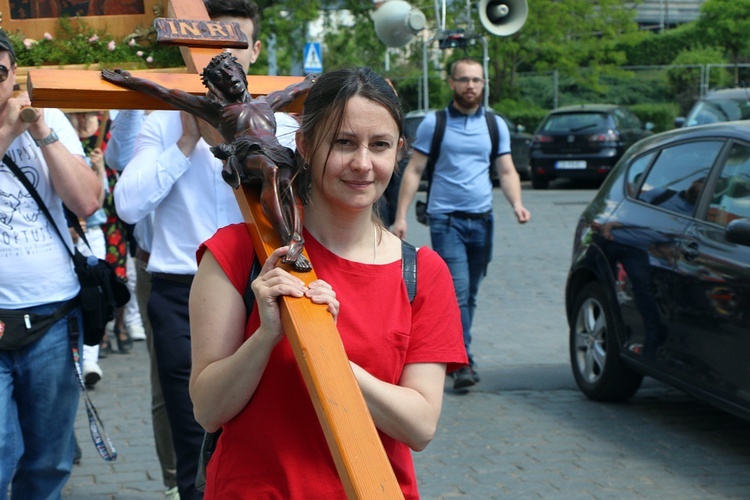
679	122
738	231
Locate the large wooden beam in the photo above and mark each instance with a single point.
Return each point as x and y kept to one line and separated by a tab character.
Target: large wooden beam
61	88
361	461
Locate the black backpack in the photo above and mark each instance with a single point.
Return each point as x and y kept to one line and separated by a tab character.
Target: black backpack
437	140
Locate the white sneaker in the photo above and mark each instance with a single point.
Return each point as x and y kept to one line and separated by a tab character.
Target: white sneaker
92	373
172	494
136	332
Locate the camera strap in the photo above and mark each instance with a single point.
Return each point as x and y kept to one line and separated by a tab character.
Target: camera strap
96	427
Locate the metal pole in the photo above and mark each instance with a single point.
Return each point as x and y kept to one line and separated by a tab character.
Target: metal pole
425	79
485	64
661	16
555	84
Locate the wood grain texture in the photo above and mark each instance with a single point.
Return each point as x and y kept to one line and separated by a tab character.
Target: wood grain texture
62	88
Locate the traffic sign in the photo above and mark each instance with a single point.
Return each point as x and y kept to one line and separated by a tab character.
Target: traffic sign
313	58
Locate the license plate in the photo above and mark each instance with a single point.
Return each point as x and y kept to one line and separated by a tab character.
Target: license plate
570	165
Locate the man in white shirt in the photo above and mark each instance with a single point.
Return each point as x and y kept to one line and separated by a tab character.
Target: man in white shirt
40	391
174	175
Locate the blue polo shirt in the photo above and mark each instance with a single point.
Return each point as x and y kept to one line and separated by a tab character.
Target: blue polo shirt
461	180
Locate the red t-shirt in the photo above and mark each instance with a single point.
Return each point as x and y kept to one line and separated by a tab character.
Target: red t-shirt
275	447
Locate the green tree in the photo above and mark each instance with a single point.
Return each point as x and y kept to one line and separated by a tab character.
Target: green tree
684	82
564	35
354	42
726	23
558	34
288	21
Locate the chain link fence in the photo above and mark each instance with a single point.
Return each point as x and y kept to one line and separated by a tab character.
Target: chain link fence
658	93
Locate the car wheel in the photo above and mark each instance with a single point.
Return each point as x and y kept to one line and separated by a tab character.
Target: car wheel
594	350
523	173
539	181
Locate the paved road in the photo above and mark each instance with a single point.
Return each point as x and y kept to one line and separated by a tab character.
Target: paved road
524	431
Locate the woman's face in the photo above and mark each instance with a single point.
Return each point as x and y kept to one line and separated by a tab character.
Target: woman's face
360	158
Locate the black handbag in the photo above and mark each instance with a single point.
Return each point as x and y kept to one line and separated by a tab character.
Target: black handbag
420	207
102	291
20	327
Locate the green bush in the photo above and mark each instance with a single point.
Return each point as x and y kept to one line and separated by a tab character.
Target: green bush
75	42
661	48
521	113
684	83
661	115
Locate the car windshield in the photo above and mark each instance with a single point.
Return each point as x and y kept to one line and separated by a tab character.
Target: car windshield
719	110
575	122
410	126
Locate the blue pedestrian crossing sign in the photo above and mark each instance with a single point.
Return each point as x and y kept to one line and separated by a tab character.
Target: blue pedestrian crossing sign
313	62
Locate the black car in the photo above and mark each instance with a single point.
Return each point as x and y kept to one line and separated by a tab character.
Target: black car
726	105
659	283
520	141
583	142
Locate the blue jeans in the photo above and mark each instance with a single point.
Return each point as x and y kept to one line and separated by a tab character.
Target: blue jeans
466	246
39	395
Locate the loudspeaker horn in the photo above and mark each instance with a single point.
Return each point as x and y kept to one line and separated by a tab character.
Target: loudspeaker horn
397	23
503	17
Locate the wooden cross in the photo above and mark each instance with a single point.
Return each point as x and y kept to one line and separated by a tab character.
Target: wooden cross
356	448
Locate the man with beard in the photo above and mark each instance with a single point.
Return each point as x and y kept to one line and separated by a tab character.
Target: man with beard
460	197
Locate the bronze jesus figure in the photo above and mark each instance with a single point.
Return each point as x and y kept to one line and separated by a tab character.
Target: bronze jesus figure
250	150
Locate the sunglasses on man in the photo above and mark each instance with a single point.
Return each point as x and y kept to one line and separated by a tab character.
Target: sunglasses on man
465	80
4	72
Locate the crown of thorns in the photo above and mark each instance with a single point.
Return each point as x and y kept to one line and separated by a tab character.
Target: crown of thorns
217	61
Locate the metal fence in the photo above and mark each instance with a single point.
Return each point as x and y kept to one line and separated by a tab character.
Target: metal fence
683	84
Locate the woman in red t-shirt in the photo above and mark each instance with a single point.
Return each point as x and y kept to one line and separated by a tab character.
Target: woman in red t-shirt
244	376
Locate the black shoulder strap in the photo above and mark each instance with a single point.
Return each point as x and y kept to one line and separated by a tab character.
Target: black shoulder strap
437	141
409	268
34	194
248	296
489	115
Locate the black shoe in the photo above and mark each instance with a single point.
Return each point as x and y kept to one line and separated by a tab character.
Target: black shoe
123	345
474	374
105	348
463	378
76	452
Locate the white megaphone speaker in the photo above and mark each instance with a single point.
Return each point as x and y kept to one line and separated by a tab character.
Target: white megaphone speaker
397	23
503	17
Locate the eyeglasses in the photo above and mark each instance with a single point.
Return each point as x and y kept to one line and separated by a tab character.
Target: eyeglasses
3	73
465	79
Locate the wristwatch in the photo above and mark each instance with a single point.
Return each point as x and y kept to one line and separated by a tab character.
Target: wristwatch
52	137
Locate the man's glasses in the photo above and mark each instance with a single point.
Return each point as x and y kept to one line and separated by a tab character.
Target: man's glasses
3	73
465	79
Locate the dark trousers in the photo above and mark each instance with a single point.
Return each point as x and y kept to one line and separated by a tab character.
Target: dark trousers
169	315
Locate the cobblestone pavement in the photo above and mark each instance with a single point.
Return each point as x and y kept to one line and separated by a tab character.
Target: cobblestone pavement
524	431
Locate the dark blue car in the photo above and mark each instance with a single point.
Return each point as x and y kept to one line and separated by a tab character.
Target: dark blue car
659	283
583	142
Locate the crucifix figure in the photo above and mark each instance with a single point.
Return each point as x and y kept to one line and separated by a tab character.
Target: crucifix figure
250	150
